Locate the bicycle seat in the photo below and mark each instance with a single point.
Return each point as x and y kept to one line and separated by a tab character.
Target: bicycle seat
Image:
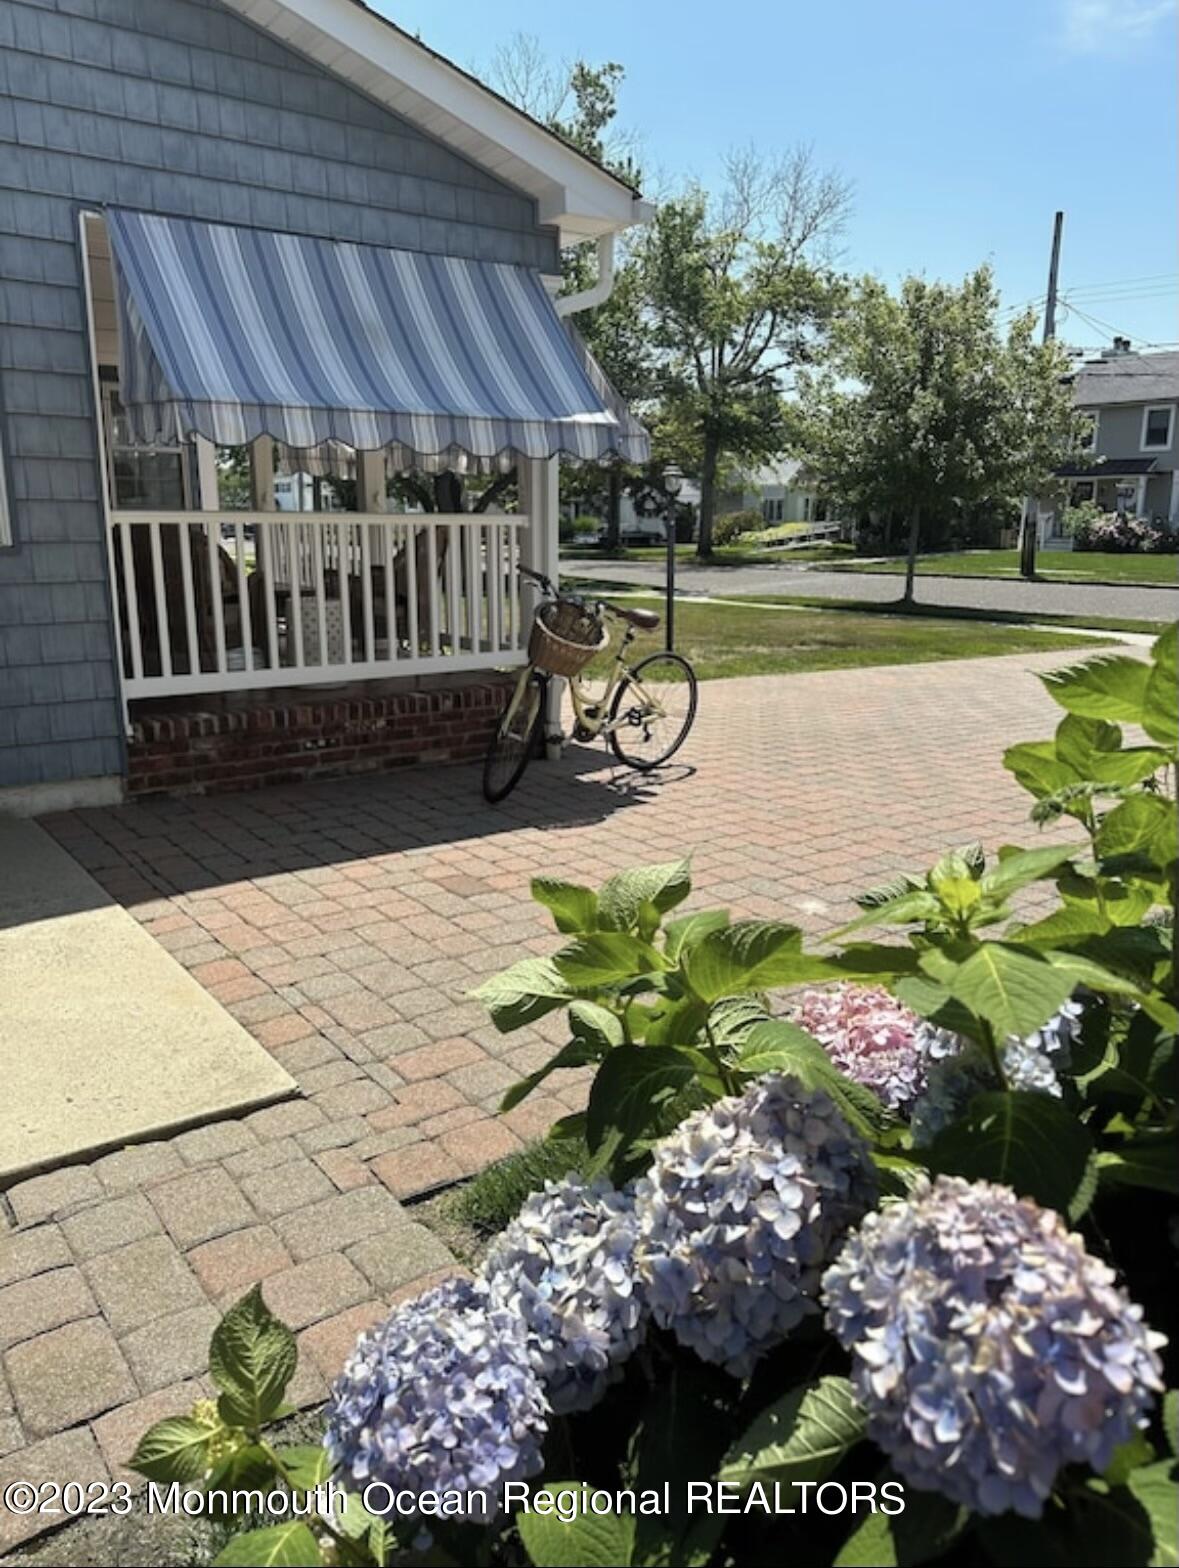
645	620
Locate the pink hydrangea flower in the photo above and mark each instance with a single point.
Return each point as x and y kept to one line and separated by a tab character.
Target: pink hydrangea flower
869	1036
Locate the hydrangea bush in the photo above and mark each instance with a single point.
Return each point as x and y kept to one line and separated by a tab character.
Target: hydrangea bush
989	1349
442	1396
739	1213
564	1269
897	1209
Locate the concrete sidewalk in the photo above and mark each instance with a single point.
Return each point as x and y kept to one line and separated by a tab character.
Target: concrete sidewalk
104	1037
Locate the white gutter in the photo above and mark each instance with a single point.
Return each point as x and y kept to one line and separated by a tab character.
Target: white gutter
598	293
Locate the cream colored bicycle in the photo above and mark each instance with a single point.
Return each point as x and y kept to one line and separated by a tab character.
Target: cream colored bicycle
644	710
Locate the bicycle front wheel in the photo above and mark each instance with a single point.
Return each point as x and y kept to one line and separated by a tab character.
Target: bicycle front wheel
653	711
514	739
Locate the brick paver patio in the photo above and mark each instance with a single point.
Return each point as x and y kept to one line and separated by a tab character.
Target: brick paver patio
344	924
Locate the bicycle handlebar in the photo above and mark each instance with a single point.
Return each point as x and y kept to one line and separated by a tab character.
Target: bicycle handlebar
574	598
537	577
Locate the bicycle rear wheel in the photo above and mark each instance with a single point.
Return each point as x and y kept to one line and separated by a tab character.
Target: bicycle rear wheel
657	704
514	739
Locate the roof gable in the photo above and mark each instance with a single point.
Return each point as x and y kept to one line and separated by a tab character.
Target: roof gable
572	192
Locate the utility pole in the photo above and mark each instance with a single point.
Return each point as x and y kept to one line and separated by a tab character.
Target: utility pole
1027	552
1053	274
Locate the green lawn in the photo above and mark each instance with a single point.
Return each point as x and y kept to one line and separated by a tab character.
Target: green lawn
1051	565
1105	623
735	638
727	555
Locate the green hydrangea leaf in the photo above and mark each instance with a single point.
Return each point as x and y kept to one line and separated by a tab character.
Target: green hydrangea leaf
287	1545
573	908
800	1437
605	958
630	1087
252	1358
1110	686
679	936
173	1450
1027	1141
750	955
587	1541
1014	989
622	897
522	994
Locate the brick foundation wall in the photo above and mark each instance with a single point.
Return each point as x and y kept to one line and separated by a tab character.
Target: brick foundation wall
281	738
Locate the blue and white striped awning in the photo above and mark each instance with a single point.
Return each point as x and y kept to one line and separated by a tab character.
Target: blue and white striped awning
234	333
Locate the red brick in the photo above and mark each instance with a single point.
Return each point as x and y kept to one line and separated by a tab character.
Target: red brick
420	1168
479	1144
282	1030
330	1343
414	1102
533	1117
343	1169
443	1056
418	1287
235	1262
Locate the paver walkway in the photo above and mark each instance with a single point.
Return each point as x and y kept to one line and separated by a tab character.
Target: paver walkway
1037	598
343	924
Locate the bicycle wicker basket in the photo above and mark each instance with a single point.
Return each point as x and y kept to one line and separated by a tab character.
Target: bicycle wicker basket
565	636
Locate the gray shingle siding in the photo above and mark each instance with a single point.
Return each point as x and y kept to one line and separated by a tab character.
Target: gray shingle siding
183	108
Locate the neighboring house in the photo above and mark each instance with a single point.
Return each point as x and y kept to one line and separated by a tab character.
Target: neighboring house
296	493
652	529
778	492
1132	456
231	223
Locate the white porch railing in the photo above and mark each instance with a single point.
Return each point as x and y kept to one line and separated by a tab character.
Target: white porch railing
231	601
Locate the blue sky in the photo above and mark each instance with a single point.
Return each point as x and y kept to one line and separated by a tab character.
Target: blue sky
962	125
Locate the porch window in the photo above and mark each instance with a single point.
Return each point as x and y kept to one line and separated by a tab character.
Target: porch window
144	478
1156	427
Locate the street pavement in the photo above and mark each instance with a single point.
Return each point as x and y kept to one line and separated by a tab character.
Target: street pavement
1037	598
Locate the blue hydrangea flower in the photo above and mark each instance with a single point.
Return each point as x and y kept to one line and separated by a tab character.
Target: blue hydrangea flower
956	1068
441	1396
989	1348
739	1213
952	1078
565	1269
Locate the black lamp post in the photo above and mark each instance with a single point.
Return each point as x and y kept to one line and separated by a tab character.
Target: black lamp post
673	483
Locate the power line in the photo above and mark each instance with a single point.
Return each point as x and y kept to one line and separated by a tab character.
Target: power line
1104	326
1118	283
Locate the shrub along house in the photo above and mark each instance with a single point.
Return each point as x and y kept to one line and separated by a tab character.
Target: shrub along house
285	238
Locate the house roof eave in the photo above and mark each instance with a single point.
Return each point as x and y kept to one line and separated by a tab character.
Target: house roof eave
578	196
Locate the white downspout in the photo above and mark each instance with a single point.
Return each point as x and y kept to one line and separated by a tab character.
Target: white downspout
543	476
599	293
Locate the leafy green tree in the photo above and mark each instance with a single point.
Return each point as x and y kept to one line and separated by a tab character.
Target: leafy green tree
926	409
574	98
579	101
737	292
